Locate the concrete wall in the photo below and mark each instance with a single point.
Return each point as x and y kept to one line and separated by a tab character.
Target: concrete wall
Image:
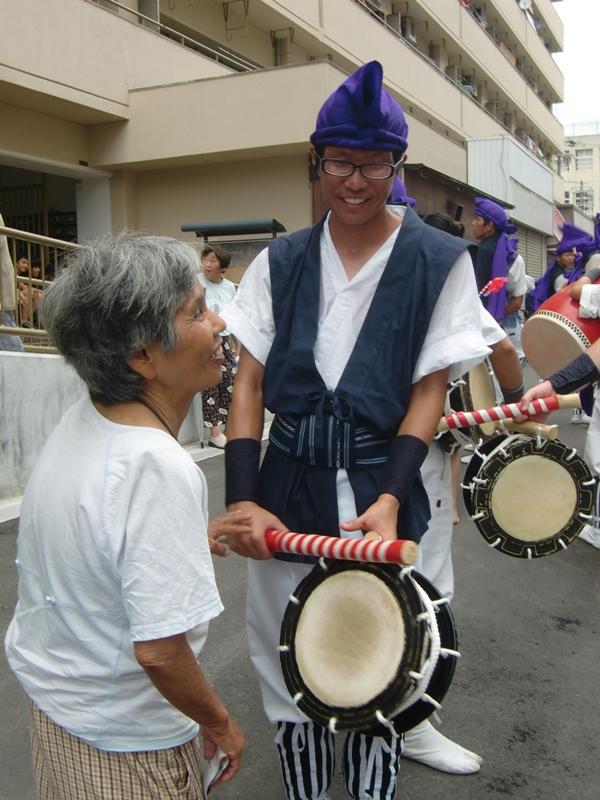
35	391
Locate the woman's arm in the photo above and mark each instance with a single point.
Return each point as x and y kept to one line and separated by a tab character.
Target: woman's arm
173	669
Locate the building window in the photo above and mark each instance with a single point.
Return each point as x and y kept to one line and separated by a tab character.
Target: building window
567	197
584	159
584	200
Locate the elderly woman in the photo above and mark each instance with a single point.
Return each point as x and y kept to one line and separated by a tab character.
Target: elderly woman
116	584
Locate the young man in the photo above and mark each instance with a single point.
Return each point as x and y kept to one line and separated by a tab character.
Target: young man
348	329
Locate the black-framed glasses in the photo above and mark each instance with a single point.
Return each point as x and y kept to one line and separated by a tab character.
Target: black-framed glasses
374	170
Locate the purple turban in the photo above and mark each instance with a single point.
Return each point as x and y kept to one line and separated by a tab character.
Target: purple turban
572	237
494	213
361	115
512	249
398	196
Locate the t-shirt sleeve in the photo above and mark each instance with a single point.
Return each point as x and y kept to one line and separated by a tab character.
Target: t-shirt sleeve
516	284
454	337
249	316
491	331
589	303
167	577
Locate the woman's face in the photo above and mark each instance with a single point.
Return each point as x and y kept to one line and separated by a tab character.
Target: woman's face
36	271
211	267
196	364
23	266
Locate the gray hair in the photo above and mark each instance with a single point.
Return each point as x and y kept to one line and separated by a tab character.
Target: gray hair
114	297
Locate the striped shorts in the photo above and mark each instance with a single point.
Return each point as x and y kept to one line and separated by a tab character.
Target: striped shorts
66	768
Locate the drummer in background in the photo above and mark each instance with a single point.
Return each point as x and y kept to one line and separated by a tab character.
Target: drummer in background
310	313
435	551
580	373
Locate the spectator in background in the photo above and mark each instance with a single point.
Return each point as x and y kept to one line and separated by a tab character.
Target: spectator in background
219	292
7	297
22	264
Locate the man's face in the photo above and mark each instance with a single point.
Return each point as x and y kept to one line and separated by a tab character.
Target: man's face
482	228
23	266
354	199
567	259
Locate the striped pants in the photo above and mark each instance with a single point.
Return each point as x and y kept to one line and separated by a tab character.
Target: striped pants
370	764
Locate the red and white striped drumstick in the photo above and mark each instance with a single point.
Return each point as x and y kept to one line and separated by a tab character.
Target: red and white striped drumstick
401	551
464	419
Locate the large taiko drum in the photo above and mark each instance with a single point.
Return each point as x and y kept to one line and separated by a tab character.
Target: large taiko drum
470	392
528	497
555	334
367	647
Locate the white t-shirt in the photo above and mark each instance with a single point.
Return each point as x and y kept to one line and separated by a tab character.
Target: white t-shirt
589	303
112	549
454	334
218	295
516	285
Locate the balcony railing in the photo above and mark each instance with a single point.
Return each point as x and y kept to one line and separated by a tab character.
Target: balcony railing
28	289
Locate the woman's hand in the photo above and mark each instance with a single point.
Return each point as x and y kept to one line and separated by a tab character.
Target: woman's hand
233	524
231	741
381	517
540	390
253	545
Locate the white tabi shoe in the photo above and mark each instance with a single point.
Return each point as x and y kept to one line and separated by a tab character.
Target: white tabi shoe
428	746
217	441
591	536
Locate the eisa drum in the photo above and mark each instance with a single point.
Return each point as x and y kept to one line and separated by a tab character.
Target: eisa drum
528	497
555	334
472	391
367	647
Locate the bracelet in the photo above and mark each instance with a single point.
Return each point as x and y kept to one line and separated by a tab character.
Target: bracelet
406	455
593	274
242	461
513	395
575	376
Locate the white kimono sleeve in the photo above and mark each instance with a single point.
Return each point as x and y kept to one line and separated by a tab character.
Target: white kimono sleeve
589	303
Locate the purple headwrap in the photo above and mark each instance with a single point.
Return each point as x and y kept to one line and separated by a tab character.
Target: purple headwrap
597	231
512	249
398	196
494	213
572	237
361	115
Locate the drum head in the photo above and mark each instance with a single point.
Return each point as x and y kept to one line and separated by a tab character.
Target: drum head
480	393
550	341
350	642
442	675
528	501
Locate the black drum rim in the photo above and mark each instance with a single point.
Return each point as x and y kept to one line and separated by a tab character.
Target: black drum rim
490	468
474	465
443	673
354	717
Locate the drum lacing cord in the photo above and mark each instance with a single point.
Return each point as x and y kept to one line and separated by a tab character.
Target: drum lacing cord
405	571
293	599
572	454
496	543
589	483
480	515
428	665
479	482
322	563
459	382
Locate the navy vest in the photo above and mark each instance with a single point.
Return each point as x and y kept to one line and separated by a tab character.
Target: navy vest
297	482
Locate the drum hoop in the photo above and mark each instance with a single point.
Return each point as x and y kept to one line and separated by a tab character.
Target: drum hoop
564	322
490	470
443	673
478	458
354	717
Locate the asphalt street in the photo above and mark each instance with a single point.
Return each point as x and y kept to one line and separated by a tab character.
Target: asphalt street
525	695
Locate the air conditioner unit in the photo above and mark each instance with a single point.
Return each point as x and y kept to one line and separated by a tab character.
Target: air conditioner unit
395	22
409	30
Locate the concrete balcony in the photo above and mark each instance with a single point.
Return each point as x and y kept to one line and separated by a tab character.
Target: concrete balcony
81	60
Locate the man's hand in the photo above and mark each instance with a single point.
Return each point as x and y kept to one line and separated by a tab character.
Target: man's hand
231	741
234	523
253	545
540	390
381	517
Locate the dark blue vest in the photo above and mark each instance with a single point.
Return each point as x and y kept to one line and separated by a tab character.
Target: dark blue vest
316	430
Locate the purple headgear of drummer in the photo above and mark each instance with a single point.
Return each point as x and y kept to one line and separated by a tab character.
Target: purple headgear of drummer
361	115
492	212
399	196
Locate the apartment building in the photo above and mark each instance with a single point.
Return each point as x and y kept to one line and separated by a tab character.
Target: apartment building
149	114
580	166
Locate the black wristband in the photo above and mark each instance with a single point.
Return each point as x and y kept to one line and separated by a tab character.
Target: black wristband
406	455
593	274
579	373
242	461
513	395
